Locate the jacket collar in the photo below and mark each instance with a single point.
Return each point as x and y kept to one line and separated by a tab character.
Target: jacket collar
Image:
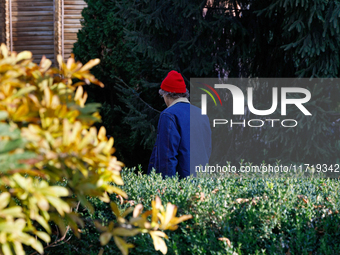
179	100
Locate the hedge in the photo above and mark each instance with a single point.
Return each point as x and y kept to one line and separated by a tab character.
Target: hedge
230	216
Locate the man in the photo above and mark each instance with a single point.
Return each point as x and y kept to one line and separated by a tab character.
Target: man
171	152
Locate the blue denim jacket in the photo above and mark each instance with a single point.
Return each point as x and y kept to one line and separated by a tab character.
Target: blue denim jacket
171	152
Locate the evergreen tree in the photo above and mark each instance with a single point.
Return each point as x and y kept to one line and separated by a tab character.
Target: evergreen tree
139	42
250	39
102	36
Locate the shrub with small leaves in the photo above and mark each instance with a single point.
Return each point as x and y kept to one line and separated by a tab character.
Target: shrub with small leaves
52	158
231	215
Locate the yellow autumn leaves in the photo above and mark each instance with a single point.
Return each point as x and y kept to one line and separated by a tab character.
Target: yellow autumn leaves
161	219
55	142
47	138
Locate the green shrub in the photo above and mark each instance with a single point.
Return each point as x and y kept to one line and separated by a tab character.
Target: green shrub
233	215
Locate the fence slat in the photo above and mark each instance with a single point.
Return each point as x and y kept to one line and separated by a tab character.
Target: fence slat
31	4
31	38
35	47
71	37
32	13
39	56
32	18
32	1
71	30
74	7
23	29
72	21
74	3
70	12
33	24
34	51
78	26
30	8
35	42
73	16
17	34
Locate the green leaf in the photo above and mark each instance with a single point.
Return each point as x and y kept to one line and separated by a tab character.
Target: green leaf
7	130
23	91
15	211
43	223
7	146
43	236
6	249
3	115
4	199
105	238
12	161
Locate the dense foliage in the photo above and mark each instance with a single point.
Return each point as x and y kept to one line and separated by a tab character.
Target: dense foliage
231	215
102	36
140	41
52	159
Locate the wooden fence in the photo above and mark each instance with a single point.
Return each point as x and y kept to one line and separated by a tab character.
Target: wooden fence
44	27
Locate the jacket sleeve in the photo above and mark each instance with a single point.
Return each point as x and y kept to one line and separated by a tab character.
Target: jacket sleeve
168	144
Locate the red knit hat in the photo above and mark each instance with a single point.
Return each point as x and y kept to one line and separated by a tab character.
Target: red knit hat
174	83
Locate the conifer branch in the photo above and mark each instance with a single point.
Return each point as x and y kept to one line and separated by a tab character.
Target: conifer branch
135	94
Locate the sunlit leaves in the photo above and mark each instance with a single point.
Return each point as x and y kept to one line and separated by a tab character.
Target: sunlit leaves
73	69
122	245
162	219
47	137
158	242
